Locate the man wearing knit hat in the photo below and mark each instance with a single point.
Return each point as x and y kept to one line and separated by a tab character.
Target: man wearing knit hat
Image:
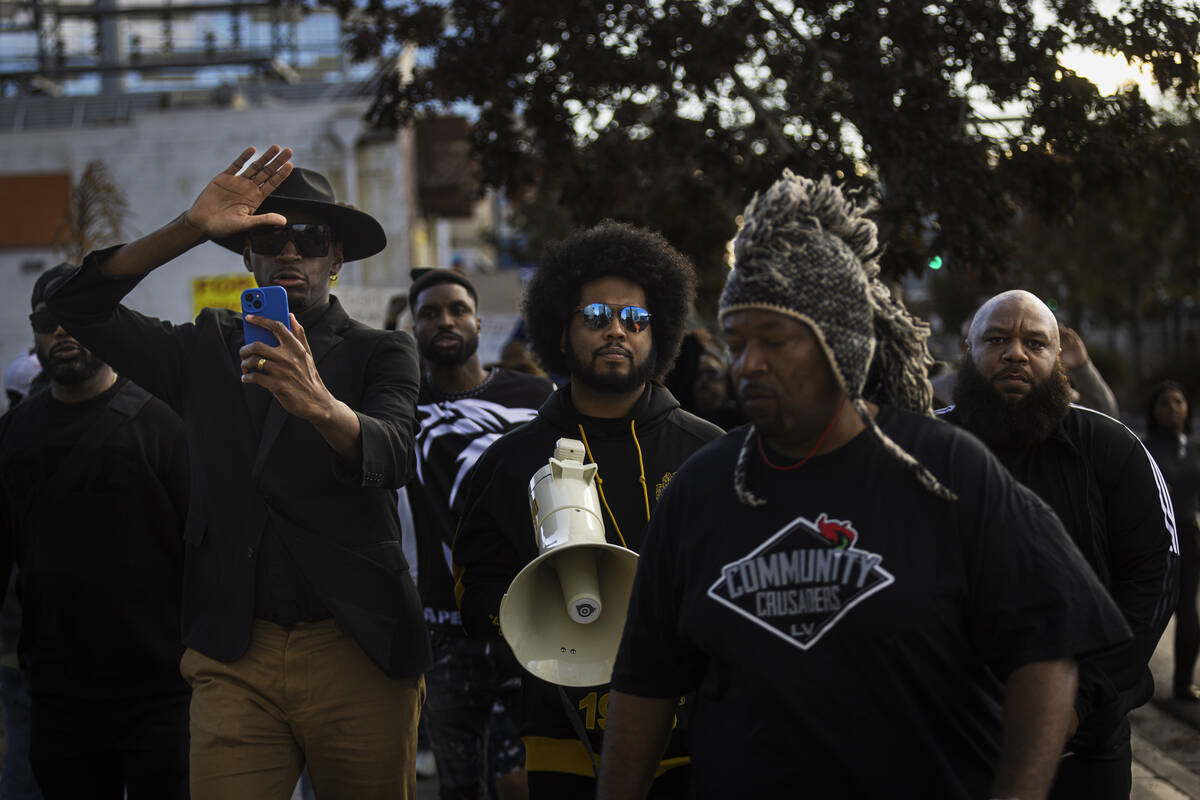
303	627
865	603
1013	393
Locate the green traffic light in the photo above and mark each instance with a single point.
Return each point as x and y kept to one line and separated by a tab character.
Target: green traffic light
935	263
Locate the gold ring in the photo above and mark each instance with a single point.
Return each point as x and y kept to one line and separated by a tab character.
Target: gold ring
262	365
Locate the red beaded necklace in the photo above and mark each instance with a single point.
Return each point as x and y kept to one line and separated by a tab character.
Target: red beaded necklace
762	451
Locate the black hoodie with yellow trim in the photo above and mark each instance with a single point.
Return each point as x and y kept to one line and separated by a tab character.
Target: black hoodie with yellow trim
495	540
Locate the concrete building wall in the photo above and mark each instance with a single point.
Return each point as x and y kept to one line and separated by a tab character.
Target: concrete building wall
161	161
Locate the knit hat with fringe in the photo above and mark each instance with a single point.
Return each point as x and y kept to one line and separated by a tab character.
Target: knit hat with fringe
810	253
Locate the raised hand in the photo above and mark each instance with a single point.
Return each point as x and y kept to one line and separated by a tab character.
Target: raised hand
227	204
1074	352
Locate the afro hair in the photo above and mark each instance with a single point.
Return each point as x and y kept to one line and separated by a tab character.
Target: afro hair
610	249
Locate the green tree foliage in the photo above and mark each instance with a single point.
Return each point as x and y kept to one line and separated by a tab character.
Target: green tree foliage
672	113
1130	254
1142	243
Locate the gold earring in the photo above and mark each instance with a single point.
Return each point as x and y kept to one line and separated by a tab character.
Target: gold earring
333	278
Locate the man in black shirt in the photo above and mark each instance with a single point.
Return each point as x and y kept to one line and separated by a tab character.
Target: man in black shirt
843	581
1012	392
606	306
304	632
93	492
462	409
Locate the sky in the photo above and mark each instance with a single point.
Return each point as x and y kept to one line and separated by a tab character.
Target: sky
1110	72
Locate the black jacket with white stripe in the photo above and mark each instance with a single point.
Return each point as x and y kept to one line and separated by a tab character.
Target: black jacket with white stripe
1111	498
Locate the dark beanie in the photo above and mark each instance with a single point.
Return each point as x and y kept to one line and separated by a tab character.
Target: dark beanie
48	280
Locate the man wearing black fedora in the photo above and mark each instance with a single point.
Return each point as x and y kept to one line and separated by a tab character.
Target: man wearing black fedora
304	634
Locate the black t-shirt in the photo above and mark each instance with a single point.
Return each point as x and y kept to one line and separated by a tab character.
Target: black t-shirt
99	545
847	636
455	430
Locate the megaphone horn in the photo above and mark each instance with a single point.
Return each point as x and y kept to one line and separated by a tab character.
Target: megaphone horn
564	612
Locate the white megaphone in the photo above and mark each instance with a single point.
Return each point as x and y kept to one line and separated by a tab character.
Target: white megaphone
563	614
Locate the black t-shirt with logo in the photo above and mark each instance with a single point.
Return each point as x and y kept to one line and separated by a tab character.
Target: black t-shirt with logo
455	430
851	636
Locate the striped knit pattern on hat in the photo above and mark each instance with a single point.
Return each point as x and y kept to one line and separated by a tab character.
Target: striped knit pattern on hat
811	253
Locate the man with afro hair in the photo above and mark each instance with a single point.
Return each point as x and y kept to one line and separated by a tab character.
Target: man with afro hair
607	308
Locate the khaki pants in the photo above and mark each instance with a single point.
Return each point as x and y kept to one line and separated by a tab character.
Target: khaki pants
304	695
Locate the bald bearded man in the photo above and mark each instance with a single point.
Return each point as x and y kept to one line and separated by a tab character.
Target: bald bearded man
1013	393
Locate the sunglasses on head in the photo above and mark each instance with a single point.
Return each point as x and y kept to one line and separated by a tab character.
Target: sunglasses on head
598	316
312	241
43	321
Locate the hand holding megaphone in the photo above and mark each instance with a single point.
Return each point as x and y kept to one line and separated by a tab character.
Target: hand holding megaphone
564	613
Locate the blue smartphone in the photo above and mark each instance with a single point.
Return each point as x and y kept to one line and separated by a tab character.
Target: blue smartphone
266	301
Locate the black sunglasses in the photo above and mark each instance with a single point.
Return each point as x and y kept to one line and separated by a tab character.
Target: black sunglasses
312	241
598	316
43	321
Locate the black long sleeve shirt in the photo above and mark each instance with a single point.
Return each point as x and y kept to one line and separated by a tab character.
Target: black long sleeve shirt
1113	501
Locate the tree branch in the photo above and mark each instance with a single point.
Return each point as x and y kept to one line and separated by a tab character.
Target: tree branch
765	115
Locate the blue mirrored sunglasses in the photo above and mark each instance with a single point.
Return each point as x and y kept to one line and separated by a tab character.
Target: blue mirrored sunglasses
598	316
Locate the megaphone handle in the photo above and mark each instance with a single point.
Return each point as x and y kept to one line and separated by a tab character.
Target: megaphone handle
580	733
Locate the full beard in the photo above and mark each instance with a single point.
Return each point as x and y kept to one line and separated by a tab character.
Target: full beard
615	383
1005	423
73	372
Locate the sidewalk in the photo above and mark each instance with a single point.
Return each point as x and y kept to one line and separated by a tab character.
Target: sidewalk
1166	737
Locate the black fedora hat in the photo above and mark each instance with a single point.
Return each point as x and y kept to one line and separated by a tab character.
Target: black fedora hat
305	190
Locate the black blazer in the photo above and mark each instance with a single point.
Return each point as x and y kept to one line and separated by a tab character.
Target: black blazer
340	524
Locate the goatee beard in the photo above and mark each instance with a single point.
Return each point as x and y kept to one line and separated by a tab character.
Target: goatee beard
451	358
1005	423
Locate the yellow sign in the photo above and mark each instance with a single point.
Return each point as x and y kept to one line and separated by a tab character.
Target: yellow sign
220	291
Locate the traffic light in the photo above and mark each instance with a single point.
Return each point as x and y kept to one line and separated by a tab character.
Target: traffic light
935	263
